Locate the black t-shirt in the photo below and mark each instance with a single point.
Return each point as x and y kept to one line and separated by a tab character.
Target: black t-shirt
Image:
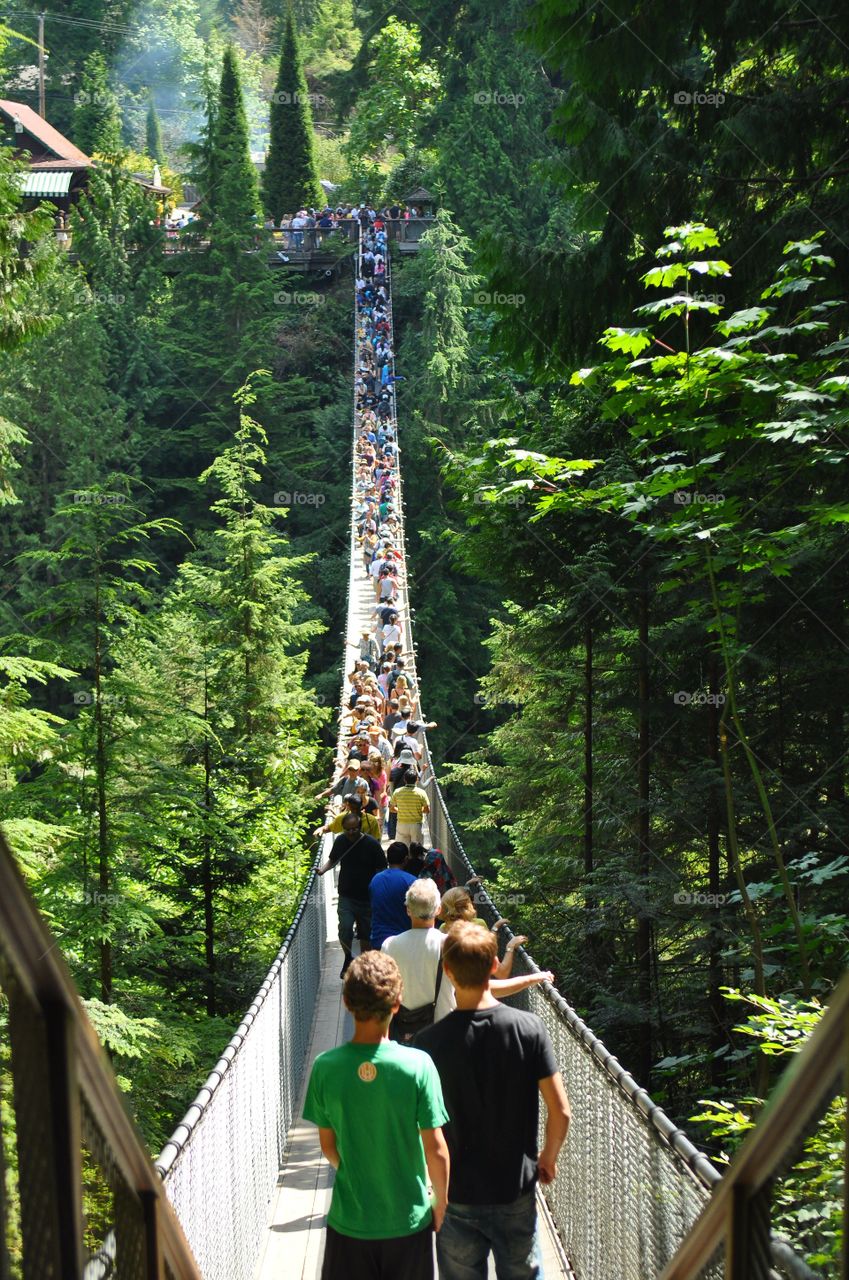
490	1062
362	860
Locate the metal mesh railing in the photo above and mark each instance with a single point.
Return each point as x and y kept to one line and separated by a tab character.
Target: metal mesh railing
221	1164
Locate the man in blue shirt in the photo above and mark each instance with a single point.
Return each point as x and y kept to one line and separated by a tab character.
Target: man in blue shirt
387	891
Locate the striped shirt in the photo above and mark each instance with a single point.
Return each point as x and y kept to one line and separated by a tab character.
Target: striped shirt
410	803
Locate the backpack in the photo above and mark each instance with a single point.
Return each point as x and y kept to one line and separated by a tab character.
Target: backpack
407	1023
437	869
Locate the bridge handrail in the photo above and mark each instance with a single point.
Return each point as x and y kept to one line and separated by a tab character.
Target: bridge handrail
696	1161
183	1132
66	1102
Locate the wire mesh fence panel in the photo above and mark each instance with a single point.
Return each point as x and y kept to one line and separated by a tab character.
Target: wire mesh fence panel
11	1251
30	1224
113	1218
221	1165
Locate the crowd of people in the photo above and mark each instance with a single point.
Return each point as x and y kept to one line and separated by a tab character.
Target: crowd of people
441	1081
309	227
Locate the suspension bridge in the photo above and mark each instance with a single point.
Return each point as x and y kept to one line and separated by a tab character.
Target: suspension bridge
239	1192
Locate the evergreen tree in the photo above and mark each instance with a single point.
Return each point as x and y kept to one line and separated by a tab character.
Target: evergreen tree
97	590
97	119
290	180
233	196
153	133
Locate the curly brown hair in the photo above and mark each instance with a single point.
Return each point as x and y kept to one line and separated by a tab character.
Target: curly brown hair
372	986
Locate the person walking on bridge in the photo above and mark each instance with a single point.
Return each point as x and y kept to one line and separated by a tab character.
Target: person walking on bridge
411	804
361	857
493	1062
379	1111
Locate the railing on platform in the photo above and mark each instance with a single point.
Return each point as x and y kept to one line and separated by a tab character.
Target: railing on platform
79	1196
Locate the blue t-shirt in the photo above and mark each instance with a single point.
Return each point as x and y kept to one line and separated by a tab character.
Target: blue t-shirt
387	891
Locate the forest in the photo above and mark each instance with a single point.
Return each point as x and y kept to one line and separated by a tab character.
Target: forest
623	419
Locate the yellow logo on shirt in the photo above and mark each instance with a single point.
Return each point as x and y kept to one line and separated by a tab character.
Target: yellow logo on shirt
367	1072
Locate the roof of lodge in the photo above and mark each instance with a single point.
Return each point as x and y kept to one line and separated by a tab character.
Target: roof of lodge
67	154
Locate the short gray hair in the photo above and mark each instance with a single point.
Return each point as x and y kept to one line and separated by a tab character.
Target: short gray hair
423	899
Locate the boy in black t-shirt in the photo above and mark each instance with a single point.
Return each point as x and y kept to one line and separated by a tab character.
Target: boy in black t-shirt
493	1062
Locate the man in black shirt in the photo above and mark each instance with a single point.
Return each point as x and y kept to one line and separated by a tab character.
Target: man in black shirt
361	857
493	1063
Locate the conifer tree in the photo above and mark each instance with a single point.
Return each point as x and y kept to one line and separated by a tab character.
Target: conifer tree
96	594
233	195
97	119
153	134
290	180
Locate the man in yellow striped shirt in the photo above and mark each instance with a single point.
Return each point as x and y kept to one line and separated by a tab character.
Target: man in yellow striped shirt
411	804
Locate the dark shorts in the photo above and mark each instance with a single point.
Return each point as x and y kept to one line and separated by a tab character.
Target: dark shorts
400	1258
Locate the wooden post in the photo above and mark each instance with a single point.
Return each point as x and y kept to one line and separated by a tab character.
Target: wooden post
42	107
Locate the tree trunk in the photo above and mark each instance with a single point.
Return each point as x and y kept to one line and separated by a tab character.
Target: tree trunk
716	1004
588	749
644	933
208	900
102	815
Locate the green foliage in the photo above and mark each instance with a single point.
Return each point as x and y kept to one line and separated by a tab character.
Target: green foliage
290	180
232	196
153	134
399	99
330	44
19	315
97	119
808	1200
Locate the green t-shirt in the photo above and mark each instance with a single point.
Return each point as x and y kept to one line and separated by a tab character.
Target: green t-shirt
376	1098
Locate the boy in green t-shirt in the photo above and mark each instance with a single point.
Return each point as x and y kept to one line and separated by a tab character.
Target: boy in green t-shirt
379	1110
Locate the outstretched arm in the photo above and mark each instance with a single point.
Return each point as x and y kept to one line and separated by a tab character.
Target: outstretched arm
501	987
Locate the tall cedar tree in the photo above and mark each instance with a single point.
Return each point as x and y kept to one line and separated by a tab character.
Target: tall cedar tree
233	196
290	181
97	119
153	134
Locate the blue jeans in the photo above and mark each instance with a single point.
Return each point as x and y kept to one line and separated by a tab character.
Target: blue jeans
470	1231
